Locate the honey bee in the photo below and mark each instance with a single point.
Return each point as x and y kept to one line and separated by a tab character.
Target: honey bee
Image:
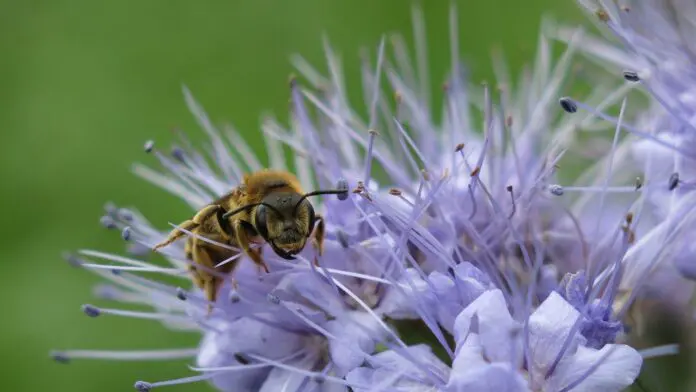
268	206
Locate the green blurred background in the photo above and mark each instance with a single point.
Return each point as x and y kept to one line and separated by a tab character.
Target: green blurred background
83	84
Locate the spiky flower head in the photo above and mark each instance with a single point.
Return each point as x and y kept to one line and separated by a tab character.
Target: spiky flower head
455	227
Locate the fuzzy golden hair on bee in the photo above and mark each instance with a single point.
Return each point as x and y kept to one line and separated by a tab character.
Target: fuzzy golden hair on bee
269	206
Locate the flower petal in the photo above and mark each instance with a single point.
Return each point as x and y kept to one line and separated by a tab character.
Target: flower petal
612	368
488	316
355	335
471	372
549	327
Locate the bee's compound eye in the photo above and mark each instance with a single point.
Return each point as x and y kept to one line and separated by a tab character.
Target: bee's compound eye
342	185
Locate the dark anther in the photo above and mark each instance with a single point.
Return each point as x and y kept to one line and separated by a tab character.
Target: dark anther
126	234
568	105
60	357
91	310
107	222
673	181
631	76
143	386
239	357
149	145
342	185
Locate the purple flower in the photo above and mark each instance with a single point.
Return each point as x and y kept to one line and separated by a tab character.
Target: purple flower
648	46
465	230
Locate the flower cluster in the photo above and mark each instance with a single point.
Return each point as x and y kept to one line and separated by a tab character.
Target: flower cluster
457	224
654	54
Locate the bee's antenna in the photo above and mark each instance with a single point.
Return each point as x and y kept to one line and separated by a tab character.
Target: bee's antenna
342	194
246	207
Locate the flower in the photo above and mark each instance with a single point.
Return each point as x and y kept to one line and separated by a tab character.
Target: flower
651	51
470	238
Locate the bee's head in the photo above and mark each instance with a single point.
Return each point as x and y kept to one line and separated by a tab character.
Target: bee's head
286	219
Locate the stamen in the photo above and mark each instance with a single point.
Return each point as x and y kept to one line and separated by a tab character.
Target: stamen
512	200
673	181
125	215
179	154
181	294
239	357
631	76
342	185
73	260
126	233
91	310
568	105
116	269
660	351
556	190
149	355
107	222
598	189
144	386
303	371
474	206
272	298
149	145
639	183
368	156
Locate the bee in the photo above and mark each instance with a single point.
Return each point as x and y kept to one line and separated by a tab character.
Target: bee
268	206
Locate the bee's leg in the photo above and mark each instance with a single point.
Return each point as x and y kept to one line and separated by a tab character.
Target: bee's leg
188	225
195	276
208	282
318	237
241	229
